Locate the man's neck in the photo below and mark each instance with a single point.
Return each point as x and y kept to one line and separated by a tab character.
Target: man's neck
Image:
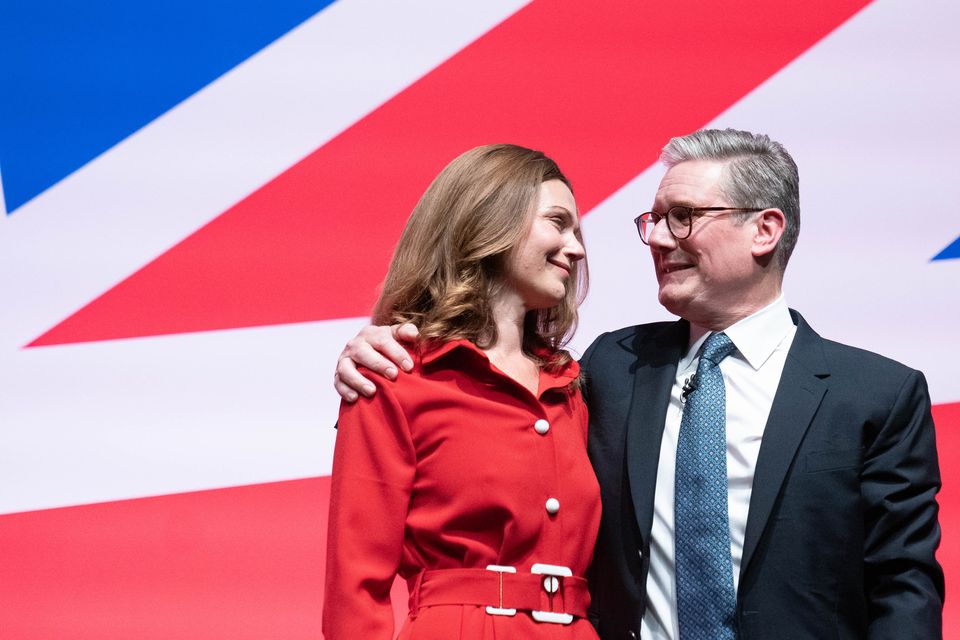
739	309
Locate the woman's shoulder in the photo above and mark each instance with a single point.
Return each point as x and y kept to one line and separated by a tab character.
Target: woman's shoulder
427	359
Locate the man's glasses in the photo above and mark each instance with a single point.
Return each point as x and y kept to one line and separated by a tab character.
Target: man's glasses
679	220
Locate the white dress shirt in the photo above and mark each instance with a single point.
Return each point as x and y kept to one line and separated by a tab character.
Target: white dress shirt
751	375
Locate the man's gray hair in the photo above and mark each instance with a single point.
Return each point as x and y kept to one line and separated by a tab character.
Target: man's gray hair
759	174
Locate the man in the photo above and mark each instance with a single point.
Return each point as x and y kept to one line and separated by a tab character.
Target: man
758	481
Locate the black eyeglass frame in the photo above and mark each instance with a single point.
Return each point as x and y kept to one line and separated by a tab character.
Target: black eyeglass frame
690	214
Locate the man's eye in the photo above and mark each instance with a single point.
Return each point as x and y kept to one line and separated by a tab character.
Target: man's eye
680	215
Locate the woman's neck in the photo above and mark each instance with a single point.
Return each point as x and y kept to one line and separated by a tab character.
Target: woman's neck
507	353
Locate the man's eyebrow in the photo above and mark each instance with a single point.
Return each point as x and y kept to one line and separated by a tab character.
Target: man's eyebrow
674	203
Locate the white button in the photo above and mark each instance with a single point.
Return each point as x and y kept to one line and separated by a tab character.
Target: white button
553	506
541	426
551	584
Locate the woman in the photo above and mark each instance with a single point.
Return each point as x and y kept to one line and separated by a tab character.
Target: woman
469	477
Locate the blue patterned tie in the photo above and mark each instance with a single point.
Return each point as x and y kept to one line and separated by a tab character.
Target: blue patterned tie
706	600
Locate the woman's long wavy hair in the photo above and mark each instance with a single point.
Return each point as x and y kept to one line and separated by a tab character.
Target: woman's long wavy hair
450	260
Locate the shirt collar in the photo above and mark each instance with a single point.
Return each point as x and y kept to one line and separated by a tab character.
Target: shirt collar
756	336
432	352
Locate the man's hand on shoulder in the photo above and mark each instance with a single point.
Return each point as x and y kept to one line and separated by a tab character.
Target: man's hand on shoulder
378	349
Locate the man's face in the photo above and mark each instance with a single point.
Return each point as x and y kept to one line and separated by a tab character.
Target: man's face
709	278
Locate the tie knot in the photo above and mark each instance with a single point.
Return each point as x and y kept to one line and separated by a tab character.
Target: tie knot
717	347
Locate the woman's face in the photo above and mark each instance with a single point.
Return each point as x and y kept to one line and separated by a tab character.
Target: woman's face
540	269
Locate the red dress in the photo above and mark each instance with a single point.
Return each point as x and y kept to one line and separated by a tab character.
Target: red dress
450	467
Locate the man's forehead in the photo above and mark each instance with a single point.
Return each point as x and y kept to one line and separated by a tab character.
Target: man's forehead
690	182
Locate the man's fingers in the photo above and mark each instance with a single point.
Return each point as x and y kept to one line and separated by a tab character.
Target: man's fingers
347	378
345	392
407	332
377	349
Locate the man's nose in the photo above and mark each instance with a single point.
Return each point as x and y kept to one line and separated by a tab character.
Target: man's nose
660	236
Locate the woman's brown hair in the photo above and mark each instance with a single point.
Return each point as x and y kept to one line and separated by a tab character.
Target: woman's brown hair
451	257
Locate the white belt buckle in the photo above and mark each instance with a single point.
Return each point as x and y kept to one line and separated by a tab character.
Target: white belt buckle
499	610
551	584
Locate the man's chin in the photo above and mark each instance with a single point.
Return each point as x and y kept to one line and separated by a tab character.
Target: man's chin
671	303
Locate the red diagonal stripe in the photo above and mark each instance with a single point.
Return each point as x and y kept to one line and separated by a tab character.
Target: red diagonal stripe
239	563
947	419
227	564
599	86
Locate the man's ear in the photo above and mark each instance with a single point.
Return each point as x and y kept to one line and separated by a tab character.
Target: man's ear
770	225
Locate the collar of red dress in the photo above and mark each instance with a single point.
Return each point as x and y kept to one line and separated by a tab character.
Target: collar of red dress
434	351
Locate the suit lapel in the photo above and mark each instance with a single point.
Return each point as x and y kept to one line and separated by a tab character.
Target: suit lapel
801	389
656	369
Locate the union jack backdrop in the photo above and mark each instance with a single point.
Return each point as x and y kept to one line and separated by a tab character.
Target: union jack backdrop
200	198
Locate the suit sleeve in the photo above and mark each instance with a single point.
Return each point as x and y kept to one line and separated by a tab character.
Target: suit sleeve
593	614
901	477
373	470
585	368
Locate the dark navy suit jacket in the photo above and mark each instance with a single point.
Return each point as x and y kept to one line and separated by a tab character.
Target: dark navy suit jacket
842	526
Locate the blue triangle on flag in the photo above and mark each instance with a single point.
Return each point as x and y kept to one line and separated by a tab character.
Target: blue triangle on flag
952	251
79	77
